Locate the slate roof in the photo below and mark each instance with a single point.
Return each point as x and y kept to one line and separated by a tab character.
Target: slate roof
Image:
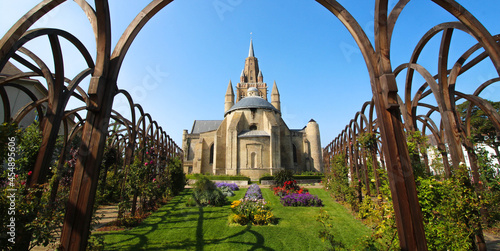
253	133
252	102
201	126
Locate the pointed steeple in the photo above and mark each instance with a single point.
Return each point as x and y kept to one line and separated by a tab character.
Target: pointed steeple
275	97
229	99
250	51
242	76
251	69
230	88
251	76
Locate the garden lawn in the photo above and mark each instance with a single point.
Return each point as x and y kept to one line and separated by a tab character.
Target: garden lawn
175	226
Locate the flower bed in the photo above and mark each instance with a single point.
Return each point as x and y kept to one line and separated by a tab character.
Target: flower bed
252	209
294	196
253	192
289	187
301	200
231	186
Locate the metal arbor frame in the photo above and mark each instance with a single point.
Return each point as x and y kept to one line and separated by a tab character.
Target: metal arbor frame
103	87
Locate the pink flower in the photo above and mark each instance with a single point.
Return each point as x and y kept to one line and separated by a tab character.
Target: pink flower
154	179
29	173
151	162
147	152
146	163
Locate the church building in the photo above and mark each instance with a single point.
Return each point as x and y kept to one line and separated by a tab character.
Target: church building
252	139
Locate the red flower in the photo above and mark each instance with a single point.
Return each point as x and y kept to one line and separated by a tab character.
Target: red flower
29	173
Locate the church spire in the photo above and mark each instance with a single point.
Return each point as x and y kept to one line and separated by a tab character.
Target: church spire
229	99
250	51
251	69
251	76
275	97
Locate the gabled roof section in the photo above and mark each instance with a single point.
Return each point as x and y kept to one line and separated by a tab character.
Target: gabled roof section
201	126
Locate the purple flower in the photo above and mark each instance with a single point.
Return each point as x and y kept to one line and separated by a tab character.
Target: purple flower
253	192
231	186
301	200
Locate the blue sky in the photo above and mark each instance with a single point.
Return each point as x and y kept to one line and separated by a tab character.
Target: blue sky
180	64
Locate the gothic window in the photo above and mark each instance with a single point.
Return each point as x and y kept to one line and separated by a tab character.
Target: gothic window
294	153
212	154
253	127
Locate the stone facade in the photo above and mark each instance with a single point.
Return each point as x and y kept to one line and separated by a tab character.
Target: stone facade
252	139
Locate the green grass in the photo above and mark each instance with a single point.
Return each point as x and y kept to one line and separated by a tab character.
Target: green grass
177	227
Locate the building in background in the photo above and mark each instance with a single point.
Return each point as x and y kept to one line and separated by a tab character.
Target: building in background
252	139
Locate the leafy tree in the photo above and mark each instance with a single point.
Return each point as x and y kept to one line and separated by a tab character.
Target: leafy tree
482	129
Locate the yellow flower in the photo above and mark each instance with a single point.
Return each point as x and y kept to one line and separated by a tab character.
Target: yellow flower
235	203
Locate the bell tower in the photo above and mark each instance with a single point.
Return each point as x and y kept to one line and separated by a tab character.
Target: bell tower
251	76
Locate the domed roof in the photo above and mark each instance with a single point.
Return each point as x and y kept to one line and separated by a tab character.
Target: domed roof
252	102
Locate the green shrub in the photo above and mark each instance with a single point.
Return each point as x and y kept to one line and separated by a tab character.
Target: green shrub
337	182
309	177
306	176
176	176
450	209
309	173
283	176
217	177
206	193
226	191
265	178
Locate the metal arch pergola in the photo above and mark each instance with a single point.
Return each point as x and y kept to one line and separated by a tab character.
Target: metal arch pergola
103	87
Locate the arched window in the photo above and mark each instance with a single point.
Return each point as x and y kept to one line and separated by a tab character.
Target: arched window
253	160
253	127
212	154
294	153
